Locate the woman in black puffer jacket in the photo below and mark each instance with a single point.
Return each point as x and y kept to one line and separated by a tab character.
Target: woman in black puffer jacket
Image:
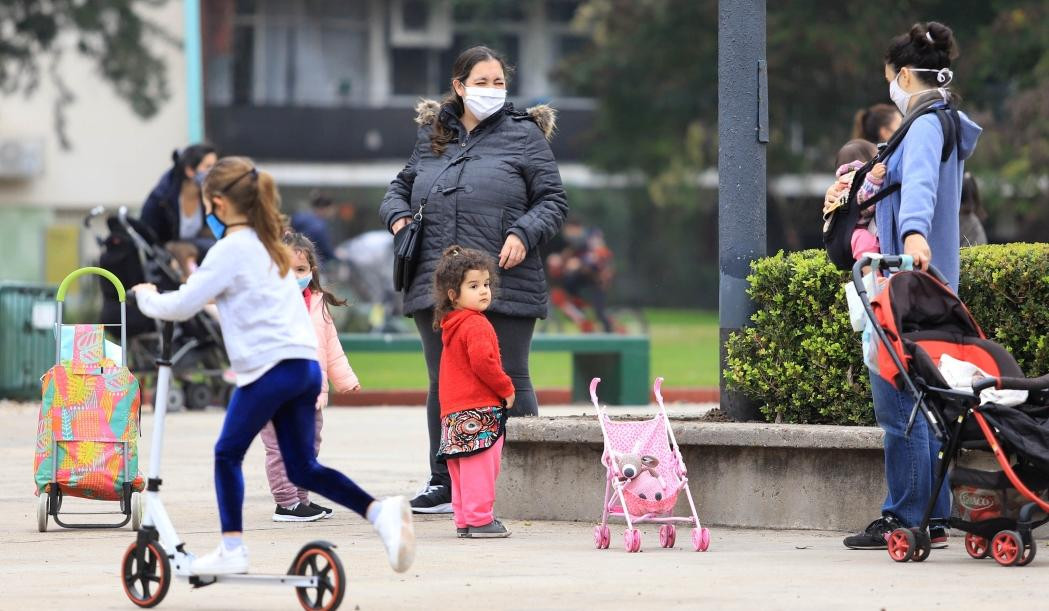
485	178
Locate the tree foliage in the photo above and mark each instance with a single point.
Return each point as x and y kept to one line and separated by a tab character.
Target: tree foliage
652	65
36	34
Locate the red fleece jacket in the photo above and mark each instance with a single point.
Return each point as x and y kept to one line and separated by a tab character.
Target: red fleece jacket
471	370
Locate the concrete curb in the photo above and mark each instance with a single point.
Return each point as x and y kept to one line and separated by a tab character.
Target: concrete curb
753	475
695	431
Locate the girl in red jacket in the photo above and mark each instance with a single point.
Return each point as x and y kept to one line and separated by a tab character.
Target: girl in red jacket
474	390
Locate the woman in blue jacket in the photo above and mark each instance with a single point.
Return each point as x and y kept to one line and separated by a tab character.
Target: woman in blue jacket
174	210
920	220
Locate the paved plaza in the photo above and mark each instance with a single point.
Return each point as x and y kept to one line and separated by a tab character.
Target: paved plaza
545	565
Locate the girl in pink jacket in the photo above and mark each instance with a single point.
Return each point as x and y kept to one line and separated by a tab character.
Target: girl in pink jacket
293	503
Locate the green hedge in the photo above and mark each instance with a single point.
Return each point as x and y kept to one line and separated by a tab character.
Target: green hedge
802	361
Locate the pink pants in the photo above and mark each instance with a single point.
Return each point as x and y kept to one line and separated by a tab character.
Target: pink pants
284	492
473	486
863	241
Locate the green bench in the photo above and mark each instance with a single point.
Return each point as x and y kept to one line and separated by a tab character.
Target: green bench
621	361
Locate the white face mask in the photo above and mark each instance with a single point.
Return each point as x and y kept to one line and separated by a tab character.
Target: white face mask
484	101
902	99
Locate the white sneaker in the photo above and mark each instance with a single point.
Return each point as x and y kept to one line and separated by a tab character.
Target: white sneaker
222	562
394	526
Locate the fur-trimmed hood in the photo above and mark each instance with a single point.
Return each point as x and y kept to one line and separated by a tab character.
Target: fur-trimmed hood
543	115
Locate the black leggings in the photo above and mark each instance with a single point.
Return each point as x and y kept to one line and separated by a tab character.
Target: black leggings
515	341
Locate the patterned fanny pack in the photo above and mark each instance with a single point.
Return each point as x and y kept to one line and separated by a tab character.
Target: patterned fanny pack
470	431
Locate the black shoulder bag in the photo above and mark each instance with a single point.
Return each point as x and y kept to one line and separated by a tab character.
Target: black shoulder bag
407	243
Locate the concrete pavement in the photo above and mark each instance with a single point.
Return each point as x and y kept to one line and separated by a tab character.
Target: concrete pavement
545	565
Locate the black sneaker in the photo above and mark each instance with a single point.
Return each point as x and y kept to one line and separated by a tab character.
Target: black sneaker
433	499
491	530
300	513
875	535
461	532
938	533
327	512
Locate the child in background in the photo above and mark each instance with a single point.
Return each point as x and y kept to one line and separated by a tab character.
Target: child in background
273	351
475	392
293	503
850	158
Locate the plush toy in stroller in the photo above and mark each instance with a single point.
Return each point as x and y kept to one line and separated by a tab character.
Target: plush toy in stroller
645	473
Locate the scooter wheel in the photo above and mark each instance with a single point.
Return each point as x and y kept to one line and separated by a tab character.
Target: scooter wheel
319	559
146	574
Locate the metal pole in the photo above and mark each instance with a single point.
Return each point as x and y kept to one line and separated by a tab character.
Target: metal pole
194	70
742	139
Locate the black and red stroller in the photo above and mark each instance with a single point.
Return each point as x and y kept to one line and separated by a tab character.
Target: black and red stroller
920	331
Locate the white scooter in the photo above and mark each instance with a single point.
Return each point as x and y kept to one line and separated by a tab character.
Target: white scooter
158	554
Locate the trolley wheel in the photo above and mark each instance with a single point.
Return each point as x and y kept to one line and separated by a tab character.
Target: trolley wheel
977	546
136	510
602	536
902	544
146	573
700	539
198	396
320	560
1007	547
41	511
632	540
667	535
923	546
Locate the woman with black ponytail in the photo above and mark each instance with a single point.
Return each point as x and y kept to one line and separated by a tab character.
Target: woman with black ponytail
174	210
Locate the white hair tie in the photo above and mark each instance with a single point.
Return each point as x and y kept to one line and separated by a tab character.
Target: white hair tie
944	75
929	36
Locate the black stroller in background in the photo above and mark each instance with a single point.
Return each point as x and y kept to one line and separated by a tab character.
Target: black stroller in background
917	325
199	357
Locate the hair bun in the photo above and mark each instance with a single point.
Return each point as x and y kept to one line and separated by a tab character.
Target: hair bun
940	37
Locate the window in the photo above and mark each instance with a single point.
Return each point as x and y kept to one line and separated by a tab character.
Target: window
286	52
509	45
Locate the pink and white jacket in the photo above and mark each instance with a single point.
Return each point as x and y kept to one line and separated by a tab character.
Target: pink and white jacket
335	367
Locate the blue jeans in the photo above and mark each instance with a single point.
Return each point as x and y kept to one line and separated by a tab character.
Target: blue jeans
287	395
911	463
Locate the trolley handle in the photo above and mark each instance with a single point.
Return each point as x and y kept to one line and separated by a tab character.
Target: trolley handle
105	273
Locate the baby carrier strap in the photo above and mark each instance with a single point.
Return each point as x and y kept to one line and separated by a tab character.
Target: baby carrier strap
841	221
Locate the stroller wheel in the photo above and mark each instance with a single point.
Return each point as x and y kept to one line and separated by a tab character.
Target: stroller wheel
667	535
902	544
977	546
1007	547
700	539
198	396
176	399
632	540
923	546
1029	549
602	536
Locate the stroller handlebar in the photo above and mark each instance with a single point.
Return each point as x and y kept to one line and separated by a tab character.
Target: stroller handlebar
900	262
1041	383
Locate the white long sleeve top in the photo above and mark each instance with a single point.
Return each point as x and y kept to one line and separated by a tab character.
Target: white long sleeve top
262	315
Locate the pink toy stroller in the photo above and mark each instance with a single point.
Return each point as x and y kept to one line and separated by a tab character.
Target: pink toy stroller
645	475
